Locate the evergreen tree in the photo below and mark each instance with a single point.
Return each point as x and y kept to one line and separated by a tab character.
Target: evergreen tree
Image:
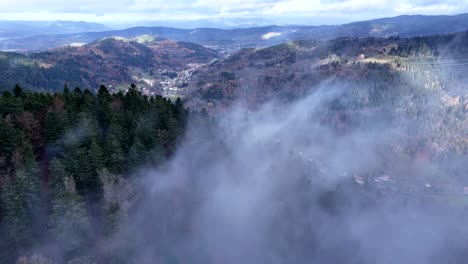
99	135
18	91
21	206
57	174
9	142
114	157
104	111
103	94
180	113
137	154
68	221
87	180
54	125
96	156
10	104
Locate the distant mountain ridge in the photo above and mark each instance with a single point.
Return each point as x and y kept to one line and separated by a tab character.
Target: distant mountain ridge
18	29
235	39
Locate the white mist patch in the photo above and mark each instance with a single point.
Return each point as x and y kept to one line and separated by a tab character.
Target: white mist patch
76	44
271	35
280	185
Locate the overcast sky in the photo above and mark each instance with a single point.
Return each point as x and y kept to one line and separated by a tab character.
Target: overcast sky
330	10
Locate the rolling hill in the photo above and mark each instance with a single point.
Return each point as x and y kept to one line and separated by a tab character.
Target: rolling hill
234	39
116	62
292	69
422	79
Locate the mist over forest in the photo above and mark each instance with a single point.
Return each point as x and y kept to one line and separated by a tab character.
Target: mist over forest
330	144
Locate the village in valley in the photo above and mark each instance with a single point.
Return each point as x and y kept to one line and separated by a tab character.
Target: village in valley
382	182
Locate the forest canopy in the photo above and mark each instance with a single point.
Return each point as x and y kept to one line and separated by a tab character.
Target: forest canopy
66	160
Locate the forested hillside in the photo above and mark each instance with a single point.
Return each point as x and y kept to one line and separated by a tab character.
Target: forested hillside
116	62
419	80
293	69
125	178
66	160
351	150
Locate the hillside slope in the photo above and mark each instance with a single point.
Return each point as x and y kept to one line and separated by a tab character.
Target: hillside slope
116	62
410	80
292	69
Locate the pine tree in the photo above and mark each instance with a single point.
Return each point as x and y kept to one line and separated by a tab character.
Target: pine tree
68	221
18	91
21	206
9	141
84	172
104	111
57	174
16	223
179	112
103	94
10	104
114	156
54	125
96	156
99	135
89	162
137	154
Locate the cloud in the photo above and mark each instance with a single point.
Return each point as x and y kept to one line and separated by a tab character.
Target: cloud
381	7
267	186
177	9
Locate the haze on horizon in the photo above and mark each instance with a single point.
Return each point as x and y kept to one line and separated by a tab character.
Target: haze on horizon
283	11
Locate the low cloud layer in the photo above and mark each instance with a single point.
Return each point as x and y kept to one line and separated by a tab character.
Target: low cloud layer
280	185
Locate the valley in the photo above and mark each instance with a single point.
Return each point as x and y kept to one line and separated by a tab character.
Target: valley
149	62
274	144
397	74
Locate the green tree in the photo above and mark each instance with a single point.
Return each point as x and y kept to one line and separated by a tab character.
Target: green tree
54	125
104	111
96	156
89	162
18	91
137	154
21	206
68	221
10	104
57	174
114	156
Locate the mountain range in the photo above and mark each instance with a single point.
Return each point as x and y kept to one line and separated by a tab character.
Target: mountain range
19	29
229	40
275	144
213	68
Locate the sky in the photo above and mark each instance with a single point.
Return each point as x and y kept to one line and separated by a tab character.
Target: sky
132	10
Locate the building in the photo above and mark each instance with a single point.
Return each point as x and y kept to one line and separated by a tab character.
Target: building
359	179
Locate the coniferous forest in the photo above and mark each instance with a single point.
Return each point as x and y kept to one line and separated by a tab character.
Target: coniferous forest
286	144
66	159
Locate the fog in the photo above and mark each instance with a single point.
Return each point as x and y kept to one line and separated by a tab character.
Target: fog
281	184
